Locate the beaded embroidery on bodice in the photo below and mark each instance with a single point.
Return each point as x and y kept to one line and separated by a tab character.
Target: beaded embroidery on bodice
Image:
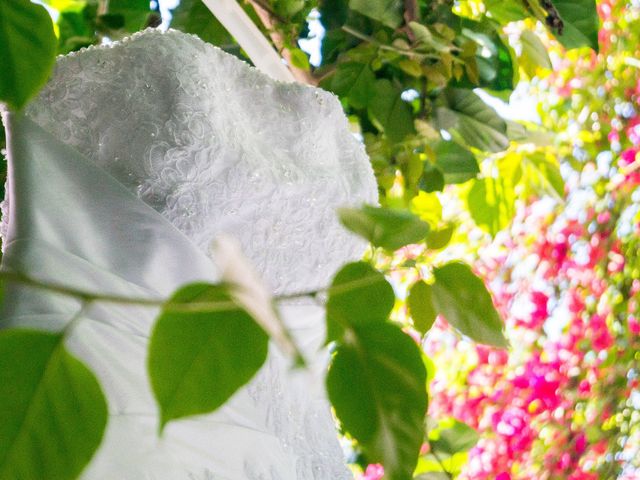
216	146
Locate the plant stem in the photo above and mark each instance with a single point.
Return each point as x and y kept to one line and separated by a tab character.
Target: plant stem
193	307
446	472
381	46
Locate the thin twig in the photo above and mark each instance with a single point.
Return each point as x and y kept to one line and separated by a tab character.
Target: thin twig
192	307
411	11
382	46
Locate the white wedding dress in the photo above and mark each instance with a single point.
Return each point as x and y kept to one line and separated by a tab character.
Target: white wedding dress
133	159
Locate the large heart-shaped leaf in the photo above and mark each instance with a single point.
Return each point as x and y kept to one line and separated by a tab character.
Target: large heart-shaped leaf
376	384
359	294
52	410
28	50
203	348
463	299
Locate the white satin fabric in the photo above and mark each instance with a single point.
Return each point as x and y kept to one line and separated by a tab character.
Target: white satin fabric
122	198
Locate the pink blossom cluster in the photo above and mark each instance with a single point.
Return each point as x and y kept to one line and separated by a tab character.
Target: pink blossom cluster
532	406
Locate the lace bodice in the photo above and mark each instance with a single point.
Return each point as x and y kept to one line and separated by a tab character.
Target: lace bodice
216	146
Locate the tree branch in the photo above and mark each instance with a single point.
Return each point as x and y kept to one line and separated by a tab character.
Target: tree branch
411	14
270	22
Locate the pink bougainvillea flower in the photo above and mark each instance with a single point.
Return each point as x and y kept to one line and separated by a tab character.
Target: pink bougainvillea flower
374	471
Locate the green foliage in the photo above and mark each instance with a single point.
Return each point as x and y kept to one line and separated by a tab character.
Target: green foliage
451	437
52	410
131	15
432	179
198	359
542	173
491	202
534	54
421	308
466	115
581	23
462	298
27	50
385	401
359	295
449	442
457	163
193	16
494	65
384	227
387	12
505	11
389	113
354	81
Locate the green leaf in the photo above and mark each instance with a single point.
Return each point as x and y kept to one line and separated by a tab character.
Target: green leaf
581	23
437	239
135	13
354	81
534	54
193	16
541	174
457	163
387	12
424	36
27	52
491	203
421	309
198	359
359	294
299	59
52	410
432	179
288	8
389	113
452	437
377	385
428	207
474	122
76	27
462	298
384	227
505	11
493	57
